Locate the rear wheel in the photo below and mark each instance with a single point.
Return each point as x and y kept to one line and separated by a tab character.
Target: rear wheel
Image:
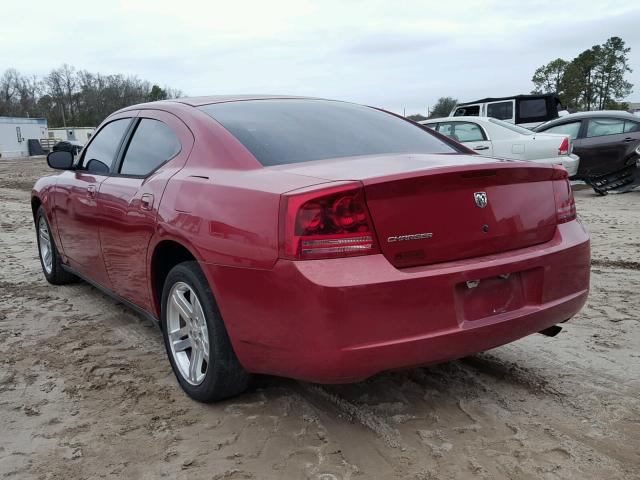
196	339
49	256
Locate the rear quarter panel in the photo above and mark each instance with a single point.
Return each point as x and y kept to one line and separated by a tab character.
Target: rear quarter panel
221	222
223	204
544	146
506	144
510	148
600	155
524	147
632	147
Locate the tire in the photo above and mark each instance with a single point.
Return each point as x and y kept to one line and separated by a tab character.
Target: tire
196	323
51	263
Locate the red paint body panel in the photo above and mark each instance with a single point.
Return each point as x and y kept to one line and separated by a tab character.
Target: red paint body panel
341	319
75	210
127	224
521	212
352	318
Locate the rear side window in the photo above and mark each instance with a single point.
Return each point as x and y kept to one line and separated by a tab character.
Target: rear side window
462	131
599	127
536	108
101	152
283	131
153	144
469	132
446	129
501	110
570	129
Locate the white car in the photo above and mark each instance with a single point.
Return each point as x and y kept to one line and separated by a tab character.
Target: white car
494	138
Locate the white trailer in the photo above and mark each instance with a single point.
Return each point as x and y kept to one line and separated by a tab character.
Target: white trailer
15	133
78	134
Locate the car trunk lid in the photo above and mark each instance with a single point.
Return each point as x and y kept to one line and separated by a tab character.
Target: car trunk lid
466	213
428	209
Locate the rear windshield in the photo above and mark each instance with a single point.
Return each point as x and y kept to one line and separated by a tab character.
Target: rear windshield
511	126
278	132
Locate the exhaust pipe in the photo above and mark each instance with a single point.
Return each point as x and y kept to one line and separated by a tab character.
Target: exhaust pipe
551	331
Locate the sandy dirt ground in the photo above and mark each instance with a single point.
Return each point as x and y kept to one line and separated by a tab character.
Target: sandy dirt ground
87	392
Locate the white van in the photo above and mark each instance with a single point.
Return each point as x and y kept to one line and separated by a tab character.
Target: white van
526	110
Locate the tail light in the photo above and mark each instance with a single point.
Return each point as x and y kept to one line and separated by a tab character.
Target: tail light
564	147
328	223
565	203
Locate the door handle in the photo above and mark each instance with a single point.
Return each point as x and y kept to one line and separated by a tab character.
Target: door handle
481	147
91	191
146	201
628	139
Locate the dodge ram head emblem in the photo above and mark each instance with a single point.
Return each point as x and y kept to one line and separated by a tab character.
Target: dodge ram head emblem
481	199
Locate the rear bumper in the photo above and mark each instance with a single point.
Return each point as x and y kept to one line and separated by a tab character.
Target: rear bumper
343	320
570	162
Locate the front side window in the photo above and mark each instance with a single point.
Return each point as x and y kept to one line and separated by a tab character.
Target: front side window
102	151
283	131
630	127
599	127
153	144
501	110
571	129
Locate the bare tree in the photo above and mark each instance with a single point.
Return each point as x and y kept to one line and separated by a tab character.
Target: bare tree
66	96
9	91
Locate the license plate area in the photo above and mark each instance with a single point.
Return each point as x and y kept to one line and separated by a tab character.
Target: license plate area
487	297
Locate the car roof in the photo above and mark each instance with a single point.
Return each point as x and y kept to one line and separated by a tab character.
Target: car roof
462	118
207	100
210	99
512	97
591	114
598	113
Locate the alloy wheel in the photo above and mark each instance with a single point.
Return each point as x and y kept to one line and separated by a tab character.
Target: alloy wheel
45	247
188	333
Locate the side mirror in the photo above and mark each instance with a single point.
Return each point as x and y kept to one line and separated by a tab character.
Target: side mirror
60	160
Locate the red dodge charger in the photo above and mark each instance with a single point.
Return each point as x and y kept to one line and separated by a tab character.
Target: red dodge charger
309	238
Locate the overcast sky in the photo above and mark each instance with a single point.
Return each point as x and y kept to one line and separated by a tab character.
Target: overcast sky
394	54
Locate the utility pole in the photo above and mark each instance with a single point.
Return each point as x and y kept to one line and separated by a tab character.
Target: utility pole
64	122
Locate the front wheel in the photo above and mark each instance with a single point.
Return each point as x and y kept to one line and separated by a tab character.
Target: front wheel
196	339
